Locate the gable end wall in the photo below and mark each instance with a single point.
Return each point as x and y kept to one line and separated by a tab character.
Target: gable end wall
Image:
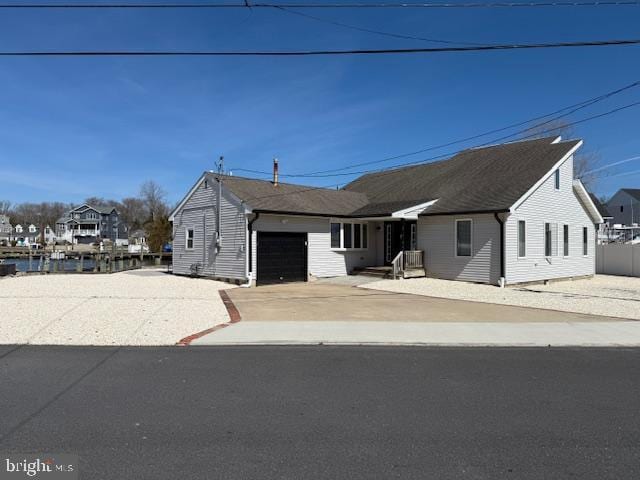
199	213
562	207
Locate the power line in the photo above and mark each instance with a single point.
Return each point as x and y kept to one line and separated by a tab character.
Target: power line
244	4
556	114
392	168
302	53
375	32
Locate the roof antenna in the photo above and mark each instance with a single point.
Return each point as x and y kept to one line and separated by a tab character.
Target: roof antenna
220	165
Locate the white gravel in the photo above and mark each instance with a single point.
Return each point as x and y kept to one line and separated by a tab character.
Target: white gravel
603	295
140	307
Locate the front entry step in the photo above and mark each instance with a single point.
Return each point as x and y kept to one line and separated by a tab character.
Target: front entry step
380	272
414	273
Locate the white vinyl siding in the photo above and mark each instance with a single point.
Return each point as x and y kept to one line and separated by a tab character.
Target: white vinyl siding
548	205
436	237
323	260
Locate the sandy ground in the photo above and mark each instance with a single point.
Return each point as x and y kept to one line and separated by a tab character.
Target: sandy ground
140	307
603	295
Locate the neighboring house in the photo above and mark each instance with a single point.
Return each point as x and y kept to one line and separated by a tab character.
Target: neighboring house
25	235
624	206
502	214
86	224
137	241
5	229
604	229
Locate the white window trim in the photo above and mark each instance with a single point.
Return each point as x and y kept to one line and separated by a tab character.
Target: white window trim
186	238
518	239
557	180
455	239
350	249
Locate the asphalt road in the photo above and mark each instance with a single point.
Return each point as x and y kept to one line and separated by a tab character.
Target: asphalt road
326	412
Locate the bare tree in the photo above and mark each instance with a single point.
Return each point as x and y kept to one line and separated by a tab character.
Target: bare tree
5	207
158	226
153	196
132	212
584	161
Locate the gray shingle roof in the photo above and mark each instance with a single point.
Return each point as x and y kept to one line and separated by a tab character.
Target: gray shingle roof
488	179
602	209
288	198
476	180
634	192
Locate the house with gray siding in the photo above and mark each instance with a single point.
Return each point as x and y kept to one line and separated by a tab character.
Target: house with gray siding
503	214
6	229
624	207
87	224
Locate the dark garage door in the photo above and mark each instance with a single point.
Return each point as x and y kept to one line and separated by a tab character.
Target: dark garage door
282	257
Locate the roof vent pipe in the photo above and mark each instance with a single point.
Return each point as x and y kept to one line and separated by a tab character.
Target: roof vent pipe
275	172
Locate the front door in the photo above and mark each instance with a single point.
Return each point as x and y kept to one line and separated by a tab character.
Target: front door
398	236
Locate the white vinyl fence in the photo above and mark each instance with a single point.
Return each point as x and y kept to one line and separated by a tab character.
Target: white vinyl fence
618	259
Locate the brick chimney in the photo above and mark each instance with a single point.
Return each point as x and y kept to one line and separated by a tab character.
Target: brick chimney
275	172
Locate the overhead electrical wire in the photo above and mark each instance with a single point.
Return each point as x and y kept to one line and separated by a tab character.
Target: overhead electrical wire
374	32
557	114
302	53
391	169
245	4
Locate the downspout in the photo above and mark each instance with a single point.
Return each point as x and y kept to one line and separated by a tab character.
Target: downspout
501	222
250	229
218	215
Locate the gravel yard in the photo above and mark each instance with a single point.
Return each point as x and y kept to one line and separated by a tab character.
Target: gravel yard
139	307
603	295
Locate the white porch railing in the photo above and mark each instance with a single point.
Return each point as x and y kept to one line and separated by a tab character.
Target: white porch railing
413	259
407	260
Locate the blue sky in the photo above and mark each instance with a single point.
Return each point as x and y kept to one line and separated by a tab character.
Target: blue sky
76	127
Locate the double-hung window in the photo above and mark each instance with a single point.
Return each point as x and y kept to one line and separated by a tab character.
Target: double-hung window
565	242
550	239
335	235
585	241
463	238
347	235
357	237
522	239
189	239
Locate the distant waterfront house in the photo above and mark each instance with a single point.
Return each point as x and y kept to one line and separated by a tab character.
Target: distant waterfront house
604	227
624	207
138	241
26	235
6	229
86	224
502	214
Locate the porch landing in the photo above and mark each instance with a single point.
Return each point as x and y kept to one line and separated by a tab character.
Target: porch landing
386	271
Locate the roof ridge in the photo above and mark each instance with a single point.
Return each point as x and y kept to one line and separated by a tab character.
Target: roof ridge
209	172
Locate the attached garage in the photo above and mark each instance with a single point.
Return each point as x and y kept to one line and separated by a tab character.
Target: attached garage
281	257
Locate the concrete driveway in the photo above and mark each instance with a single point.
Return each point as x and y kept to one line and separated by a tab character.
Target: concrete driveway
320	301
